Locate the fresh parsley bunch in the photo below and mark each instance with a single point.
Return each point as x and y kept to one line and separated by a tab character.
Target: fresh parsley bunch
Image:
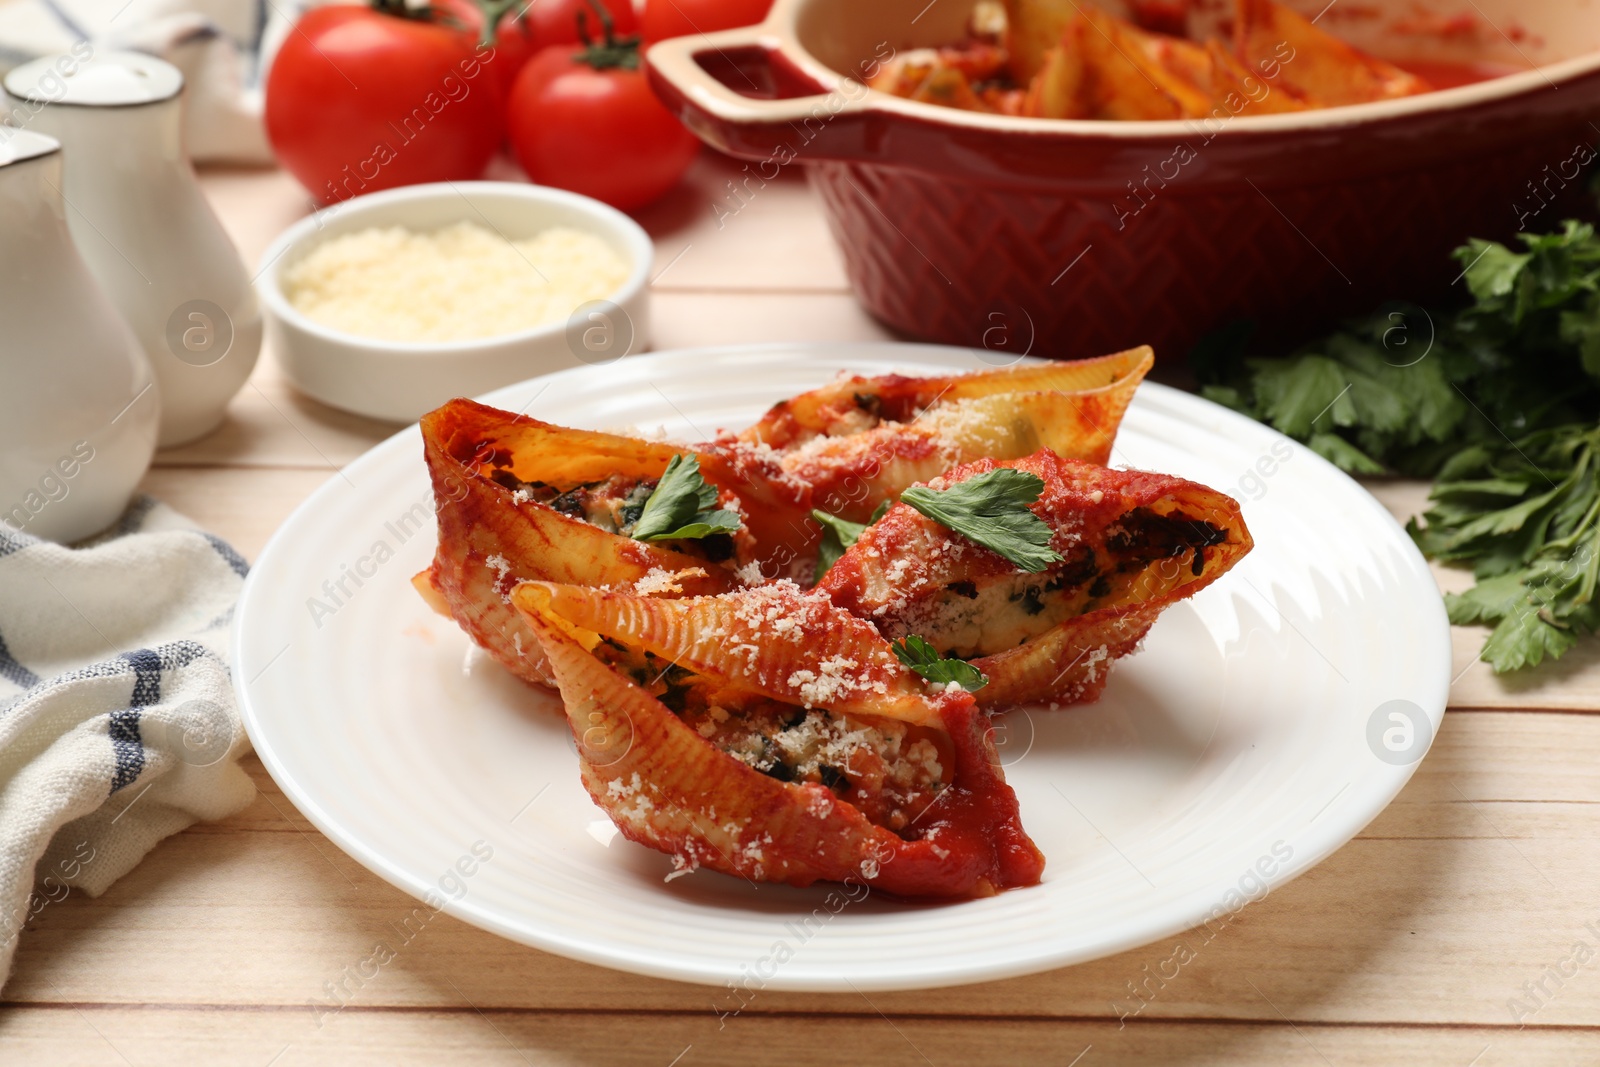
1499	400
1524	518
1402	390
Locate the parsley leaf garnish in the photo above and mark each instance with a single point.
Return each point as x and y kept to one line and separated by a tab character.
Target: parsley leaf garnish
992	510
839	535
925	660
682	506
1498	400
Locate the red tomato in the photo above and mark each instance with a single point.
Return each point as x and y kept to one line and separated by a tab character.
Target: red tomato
514	42
600	132
359	100
679	18
556	21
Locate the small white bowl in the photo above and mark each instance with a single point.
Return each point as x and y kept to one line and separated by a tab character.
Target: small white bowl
400	381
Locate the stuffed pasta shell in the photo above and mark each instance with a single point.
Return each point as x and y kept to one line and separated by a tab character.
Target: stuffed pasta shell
519	499
1115	549
767	734
858	441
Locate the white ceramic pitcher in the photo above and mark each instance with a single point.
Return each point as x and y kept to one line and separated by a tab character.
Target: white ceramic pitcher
144	227
79	406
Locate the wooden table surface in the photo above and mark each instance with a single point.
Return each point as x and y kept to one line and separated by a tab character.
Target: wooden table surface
1461	928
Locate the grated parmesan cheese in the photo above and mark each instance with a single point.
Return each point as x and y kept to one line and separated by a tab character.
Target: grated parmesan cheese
502	569
682	864
826	685
661	580
454	284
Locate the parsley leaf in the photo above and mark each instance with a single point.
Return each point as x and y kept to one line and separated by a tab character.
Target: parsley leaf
924	659
706	525
1524	639
1294	395
1492	270
839	535
992	510
682	506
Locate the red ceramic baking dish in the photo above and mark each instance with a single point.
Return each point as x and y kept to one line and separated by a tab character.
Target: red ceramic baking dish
1072	238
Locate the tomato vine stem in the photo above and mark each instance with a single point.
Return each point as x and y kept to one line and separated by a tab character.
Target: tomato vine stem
612	52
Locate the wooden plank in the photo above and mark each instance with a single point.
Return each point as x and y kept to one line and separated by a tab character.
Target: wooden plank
95	1035
1571	683
271	424
685	320
1475	881
728	228
243	507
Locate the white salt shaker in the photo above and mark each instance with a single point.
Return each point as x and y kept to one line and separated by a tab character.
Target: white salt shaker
145	229
79	406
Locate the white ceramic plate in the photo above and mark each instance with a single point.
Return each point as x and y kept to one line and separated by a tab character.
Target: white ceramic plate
1265	723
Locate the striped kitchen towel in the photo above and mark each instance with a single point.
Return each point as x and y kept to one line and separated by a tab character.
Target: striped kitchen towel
117	720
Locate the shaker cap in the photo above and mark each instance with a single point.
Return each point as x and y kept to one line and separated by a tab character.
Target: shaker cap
105	79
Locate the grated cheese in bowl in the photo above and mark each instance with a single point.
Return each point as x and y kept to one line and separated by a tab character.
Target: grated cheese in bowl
458	283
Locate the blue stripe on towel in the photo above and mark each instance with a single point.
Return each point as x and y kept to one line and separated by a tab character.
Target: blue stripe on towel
126	747
146	677
14	540
173	656
126	744
14	672
227	552
132	521
180	654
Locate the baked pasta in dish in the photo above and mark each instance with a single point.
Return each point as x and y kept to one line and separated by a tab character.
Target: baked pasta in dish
1125	546
766	733
518	499
1066	59
857	441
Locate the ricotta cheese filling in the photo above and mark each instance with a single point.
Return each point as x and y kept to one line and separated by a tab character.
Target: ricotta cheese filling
1144	554
891	771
